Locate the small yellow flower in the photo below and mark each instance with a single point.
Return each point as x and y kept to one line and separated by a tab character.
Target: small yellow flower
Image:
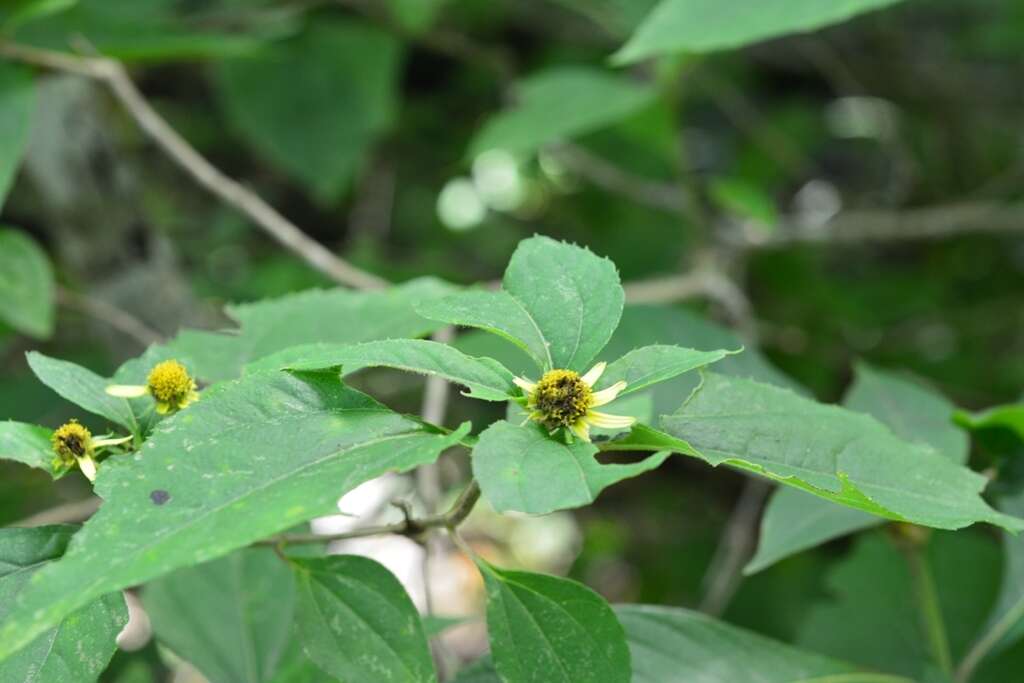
168	383
564	399
73	445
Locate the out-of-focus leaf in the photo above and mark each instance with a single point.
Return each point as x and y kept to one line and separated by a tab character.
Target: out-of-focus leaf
28	444
1009	417
708	25
26	280
231	617
416	16
832	452
795	520
314	104
871	616
16	12
486	379
745	200
672	645
545	629
252	458
357	623
334	316
522	468
17	107
81	644
559	104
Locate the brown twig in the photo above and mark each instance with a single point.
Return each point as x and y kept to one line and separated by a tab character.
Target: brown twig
109	314
66	513
450	519
114	75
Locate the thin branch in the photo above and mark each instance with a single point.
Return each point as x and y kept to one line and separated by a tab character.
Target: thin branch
987	642
455	515
722	578
66	513
927	599
110	315
113	74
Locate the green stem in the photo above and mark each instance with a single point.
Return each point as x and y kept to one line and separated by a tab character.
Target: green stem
927	598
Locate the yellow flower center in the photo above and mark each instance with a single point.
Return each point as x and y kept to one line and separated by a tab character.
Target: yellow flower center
70	441
561	398
169	383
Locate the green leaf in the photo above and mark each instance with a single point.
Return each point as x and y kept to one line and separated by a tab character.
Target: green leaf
82	387
357	623
545	629
574	297
561	103
746	200
1009	417
523	469
649	365
871	615
231	617
795	520
79	646
672	644
709	25
832	452
314	105
560	304
28	444
26	282
17	109
16	12
254	457
486	379
499	313
331	316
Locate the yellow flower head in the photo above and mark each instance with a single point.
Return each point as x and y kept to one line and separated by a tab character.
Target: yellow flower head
171	386
71	441
168	383
565	399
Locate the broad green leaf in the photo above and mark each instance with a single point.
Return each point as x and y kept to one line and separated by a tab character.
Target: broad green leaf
871	615
672	645
332	316
709	25
523	469
79	646
499	313
545	629
17	109
1009	417
26	282
1006	622
795	520
560	304
486	379
231	618
313	105
911	410
28	444
574	297
82	387
357	623
254	457
832	452
558	104
649	365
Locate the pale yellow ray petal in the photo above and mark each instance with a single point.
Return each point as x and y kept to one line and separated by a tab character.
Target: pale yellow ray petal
582	430
594	374
127	390
110	442
609	421
608	395
525	384
88	467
